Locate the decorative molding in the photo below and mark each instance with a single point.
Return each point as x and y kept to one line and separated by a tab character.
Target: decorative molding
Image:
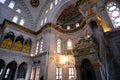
85	47
47	26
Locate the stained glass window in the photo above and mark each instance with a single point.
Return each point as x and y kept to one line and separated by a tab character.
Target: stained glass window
114	14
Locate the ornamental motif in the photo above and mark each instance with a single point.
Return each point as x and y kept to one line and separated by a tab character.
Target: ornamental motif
34	3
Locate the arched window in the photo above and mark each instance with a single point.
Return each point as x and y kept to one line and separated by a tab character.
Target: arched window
2	1
11	4
69	44
22	21
56	2
51	6
41	23
37	46
15	19
59	46
114	14
18	10
10	70
45	20
41	46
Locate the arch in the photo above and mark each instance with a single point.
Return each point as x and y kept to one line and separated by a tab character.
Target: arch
10	71
87	70
2	67
53	17
8	40
10	35
18	43
27	45
20	38
22	69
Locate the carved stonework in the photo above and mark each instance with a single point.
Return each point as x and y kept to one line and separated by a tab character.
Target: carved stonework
85	46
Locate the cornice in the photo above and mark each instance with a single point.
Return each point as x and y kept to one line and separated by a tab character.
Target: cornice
48	25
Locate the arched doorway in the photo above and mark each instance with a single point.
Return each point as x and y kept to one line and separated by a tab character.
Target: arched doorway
2	67
22	69
10	71
87	70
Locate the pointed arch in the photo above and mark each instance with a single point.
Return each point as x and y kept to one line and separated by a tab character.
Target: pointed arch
87	70
18	43
27	45
10	71
8	40
22	69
